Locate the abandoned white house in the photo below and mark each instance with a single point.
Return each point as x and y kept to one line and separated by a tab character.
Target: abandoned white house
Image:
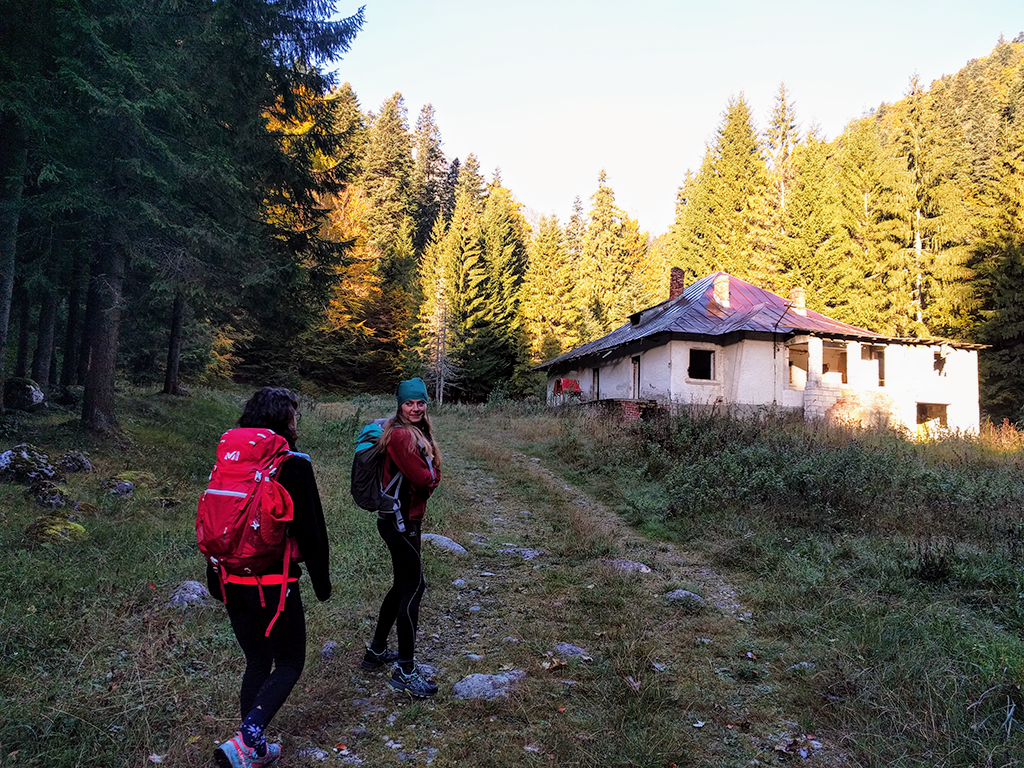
725	341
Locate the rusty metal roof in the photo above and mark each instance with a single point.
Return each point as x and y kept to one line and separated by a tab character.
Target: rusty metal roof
696	313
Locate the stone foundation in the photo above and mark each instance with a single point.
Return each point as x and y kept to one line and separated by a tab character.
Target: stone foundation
863	409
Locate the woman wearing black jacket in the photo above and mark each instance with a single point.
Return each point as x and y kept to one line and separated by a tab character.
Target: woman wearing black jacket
274	663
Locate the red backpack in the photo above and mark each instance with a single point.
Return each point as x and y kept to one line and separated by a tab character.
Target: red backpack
242	519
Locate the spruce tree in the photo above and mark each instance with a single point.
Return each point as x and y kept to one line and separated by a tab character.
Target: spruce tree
429	177
725	222
999	263
548	293
387	179
613	280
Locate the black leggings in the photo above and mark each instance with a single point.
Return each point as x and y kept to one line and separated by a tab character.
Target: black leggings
401	605
284	651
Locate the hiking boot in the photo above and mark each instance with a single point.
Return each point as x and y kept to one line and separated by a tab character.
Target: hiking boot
411	683
234	754
374	660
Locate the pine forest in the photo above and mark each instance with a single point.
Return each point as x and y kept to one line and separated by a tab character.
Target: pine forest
187	196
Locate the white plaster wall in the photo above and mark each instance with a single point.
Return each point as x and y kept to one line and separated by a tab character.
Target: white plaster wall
747	373
962	371
758	373
617	378
911	378
656	374
685	390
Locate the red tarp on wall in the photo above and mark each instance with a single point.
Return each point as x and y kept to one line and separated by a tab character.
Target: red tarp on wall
566	385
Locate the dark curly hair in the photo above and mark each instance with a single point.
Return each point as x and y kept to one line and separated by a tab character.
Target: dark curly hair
272	407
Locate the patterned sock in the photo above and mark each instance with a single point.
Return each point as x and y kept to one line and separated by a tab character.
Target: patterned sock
253	732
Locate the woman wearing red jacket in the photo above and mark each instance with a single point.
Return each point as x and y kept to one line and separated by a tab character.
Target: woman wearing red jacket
408	439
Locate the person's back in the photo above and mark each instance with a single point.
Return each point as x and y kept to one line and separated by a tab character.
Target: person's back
274	659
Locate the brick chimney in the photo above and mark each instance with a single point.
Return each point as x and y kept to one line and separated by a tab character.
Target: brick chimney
721	294
676	283
798	301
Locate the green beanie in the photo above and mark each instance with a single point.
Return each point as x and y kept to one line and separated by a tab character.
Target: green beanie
413	389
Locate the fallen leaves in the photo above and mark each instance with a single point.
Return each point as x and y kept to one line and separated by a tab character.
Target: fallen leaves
803	745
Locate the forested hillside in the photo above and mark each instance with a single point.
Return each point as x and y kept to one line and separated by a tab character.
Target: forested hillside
187	196
909	223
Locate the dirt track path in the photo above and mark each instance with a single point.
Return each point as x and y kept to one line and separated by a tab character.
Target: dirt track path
546	565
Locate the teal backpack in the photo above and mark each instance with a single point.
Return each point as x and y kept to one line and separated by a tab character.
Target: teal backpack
368	489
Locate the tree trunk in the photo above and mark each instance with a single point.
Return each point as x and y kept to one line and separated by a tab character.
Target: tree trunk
44	340
171	386
24	333
69	366
98	410
92	302
13	160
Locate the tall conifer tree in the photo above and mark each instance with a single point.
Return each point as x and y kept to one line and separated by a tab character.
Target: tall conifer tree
429	177
548	293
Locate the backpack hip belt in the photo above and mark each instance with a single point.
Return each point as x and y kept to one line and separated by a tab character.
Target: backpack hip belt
269	579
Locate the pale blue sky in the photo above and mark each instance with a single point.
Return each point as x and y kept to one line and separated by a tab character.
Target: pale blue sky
553	91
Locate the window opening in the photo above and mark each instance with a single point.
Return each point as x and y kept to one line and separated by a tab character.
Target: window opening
702	364
931	415
873	359
798	366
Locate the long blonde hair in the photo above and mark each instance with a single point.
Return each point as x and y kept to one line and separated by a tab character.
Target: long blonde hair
422	434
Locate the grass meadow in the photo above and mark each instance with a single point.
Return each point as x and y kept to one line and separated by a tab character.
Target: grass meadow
877	587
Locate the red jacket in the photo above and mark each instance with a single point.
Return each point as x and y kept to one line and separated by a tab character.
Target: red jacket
418	481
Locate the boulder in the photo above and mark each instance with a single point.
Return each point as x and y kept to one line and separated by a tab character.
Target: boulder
480	686
119	487
27	464
74	461
53	529
568	649
443	542
189	593
684	596
47	494
22	394
524	552
330	650
137	479
689	601
627	566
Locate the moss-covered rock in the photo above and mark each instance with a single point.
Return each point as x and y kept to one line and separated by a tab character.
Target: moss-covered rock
54	529
22	394
27	464
47	494
137	479
117	487
85	509
75	461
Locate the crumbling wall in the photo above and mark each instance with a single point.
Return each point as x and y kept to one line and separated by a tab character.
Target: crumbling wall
865	409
